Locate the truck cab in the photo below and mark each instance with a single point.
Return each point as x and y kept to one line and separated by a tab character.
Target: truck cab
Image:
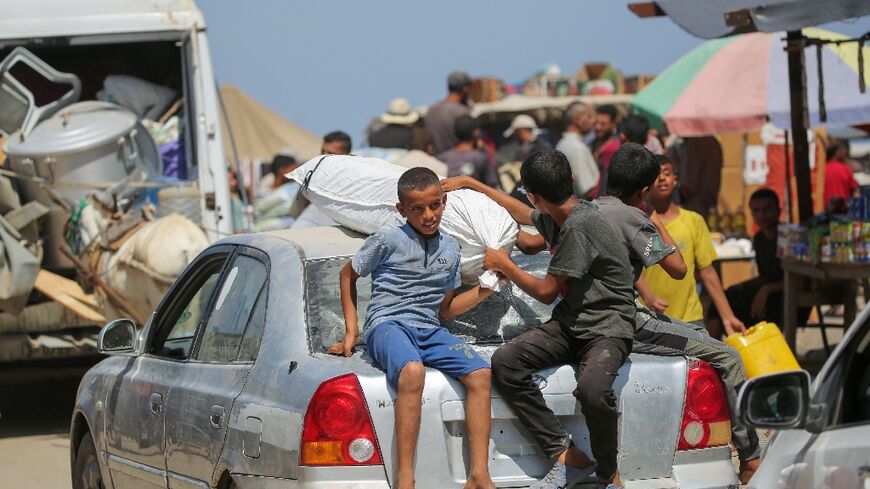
69	50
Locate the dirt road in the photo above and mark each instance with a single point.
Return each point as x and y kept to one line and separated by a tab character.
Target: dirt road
34	431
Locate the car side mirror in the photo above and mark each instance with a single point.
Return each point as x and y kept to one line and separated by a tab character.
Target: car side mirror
776	401
118	337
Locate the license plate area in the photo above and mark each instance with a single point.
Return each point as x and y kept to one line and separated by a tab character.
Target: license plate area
514	459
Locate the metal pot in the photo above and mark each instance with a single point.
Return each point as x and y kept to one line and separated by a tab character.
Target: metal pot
85	143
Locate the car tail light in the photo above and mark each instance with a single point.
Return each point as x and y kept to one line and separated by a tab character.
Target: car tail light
706	422
338	429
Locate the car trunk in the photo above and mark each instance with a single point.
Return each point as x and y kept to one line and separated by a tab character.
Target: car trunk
651	392
650	389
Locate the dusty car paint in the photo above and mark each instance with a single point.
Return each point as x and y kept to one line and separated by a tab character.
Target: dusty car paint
257	440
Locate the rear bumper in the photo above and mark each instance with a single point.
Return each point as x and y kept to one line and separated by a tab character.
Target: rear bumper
372	477
706	468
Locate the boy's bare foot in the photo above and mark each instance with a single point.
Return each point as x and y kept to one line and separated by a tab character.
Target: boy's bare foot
479	482
574	457
615	480
405	481
747	470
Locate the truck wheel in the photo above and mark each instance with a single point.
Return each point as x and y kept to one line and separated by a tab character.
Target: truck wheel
86	473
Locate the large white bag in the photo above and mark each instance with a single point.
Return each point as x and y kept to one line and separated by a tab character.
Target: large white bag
148	262
360	194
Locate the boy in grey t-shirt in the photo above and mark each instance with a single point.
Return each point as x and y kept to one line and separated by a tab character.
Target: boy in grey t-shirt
592	326
633	169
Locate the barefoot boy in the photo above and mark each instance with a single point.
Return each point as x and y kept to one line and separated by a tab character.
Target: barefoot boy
415	274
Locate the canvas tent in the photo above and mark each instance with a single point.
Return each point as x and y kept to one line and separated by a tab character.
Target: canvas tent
260	133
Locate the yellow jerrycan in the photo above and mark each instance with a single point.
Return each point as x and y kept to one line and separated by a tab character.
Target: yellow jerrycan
763	350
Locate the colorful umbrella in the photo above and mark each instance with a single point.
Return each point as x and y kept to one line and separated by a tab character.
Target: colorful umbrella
733	84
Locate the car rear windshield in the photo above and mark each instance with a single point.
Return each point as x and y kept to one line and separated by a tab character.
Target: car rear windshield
499	318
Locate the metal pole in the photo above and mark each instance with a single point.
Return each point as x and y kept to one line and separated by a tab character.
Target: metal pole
799	121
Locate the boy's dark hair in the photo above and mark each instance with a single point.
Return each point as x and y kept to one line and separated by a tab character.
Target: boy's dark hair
632	168
464	127
418	178
765	194
636	128
341	137
608	110
281	161
547	174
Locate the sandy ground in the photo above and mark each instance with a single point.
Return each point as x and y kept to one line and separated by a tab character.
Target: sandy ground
34	422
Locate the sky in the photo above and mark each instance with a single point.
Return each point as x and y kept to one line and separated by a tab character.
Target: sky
335	64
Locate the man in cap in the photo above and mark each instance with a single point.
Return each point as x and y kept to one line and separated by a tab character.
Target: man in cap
398	127
441	116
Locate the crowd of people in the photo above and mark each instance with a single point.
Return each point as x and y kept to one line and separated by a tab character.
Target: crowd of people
608	180
449	142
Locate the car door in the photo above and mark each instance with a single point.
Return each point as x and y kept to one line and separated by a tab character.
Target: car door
135	406
839	456
202	395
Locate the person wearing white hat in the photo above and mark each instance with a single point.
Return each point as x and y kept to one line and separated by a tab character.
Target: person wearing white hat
525	132
398	128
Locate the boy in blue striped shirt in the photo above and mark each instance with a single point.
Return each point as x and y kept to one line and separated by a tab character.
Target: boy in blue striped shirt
415	277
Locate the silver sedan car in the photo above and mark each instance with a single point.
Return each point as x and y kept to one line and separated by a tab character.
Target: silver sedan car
228	385
823	437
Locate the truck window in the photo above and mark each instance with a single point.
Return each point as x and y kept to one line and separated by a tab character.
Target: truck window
499	318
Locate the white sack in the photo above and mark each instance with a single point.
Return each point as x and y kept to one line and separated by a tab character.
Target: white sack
147	263
360	194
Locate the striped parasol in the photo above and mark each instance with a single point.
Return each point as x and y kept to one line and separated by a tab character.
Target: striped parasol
733	84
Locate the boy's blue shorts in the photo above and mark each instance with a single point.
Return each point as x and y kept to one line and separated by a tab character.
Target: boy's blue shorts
392	345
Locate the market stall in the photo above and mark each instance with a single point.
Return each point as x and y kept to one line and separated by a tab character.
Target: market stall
737	89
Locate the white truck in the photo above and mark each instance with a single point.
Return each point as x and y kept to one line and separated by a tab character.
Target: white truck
54	151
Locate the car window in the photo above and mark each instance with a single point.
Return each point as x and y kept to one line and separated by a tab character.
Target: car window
254	332
231	310
183	318
497	319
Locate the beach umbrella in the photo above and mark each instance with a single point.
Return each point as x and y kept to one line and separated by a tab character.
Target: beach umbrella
734	84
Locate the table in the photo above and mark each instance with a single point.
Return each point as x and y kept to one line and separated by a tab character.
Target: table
738	268
792	296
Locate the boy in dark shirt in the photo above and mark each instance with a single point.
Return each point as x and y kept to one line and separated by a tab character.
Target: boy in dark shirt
760	298
592	326
648	243
633	170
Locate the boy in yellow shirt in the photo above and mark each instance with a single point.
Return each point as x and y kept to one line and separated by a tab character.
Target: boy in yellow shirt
679	298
